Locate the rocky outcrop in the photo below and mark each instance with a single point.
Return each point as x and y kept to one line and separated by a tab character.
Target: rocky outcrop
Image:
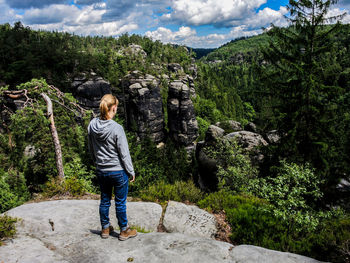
182	121
175	67
230	125
189	220
208	166
143	105
88	90
248	140
74	236
273	137
213	133
133	50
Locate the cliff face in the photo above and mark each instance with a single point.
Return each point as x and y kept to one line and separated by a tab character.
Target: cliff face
143	105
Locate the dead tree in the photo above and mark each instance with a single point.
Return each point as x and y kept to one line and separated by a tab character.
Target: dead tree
56	141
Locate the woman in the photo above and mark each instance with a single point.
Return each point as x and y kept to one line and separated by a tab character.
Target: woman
109	148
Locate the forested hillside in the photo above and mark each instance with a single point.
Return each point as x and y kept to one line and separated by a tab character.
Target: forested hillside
256	131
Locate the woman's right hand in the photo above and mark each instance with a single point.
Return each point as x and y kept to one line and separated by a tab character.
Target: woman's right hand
133	179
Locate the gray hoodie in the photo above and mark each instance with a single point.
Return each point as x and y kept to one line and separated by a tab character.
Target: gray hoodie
108	146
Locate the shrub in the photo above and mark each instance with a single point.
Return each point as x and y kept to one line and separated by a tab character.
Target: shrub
179	191
250	218
293	193
13	190
168	164
235	170
203	126
69	186
7	227
78	177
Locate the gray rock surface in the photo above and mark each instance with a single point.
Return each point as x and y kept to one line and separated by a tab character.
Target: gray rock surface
74	236
248	140
273	136
88	90
182	121
189	220
213	133
144	106
133	50
253	254
230	125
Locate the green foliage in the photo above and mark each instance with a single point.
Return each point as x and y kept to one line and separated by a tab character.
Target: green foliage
293	193
151	164
7	227
13	190
254	222
29	129
68	187
235	170
203	126
76	173
180	191
58	56
301	74
331	240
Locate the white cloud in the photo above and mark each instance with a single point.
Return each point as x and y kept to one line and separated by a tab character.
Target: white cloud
7	15
187	36
218	13
51	14
267	16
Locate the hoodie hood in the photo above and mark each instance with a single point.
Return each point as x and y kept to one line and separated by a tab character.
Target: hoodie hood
101	129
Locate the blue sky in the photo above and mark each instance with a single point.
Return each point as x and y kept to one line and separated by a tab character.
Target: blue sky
195	23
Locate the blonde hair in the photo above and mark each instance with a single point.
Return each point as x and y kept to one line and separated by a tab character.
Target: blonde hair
106	104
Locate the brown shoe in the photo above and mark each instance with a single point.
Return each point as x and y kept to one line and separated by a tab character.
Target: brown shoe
105	232
124	235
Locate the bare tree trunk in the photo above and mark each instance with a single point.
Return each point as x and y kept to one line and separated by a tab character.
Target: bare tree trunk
58	151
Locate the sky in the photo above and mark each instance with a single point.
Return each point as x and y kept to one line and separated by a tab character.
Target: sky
194	23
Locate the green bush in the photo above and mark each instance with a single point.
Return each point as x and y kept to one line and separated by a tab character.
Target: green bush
179	191
69	186
168	164
13	190
293	193
235	170
203	126
7	227
331	240
78	177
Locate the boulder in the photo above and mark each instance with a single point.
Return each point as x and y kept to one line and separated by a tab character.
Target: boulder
273	137
208	166
175	67
189	220
230	126
248	140
133	50
88	90
250	127
213	133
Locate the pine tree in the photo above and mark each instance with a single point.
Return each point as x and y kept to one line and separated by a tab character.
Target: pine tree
301	74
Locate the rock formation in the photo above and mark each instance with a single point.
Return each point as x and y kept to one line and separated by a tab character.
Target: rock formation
182	121
207	166
143	105
133	50
89	90
69	231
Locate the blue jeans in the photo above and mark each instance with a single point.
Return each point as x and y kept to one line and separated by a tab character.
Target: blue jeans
120	182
